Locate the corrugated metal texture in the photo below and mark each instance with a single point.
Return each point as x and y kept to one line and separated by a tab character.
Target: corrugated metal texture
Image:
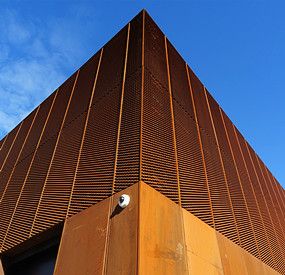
154	51
179	81
279	206
10	199
14	182
127	171
33	173
58	183
128	158
241	214
27	201
55	121
270	215
193	186
273	208
135	45
158	155
263	239
248	191
33	138
7	148
112	66
270	236
128	151
96	167
94	178
222	209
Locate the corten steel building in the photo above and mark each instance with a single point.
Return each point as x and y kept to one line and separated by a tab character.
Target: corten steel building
136	120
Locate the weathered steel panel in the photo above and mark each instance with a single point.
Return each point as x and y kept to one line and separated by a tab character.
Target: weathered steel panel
83	242
161	234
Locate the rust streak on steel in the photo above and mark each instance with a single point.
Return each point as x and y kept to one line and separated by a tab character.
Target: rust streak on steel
200	143
83	134
53	154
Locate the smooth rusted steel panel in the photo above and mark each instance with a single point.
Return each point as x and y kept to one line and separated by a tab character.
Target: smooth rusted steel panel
202	246
83	242
1	268
232	257
161	234
121	254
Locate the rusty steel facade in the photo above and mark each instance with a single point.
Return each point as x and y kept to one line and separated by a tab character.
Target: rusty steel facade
136	112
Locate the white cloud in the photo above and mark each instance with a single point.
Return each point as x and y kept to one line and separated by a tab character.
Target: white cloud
33	58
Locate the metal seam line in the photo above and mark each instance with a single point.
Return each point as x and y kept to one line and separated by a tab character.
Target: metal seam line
54	150
5	138
201	147
172	121
83	134
141	139
116	156
175	151
121	110
263	196
274	209
19	196
240	183
141	126
266	235
4	162
222	164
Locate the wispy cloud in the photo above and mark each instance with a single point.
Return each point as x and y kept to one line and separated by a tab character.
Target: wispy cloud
36	56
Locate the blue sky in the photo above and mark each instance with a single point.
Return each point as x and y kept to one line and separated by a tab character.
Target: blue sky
237	49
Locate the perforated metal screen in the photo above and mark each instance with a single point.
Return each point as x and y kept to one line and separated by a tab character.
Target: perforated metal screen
135	111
